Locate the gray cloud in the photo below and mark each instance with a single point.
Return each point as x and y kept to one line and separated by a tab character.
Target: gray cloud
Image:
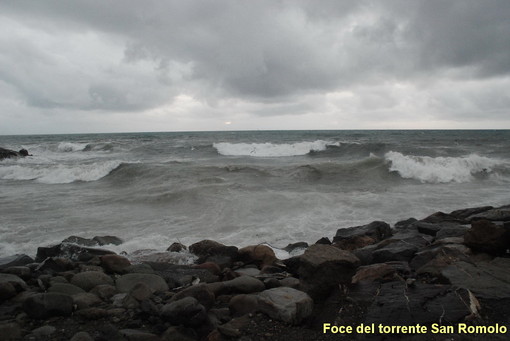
274	56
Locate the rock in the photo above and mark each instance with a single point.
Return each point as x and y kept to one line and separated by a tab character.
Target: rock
80	241
487	280
259	254
23	272
324	267
399	304
179	333
207	248
92	313
127	282
14	280
451	231
488	236
15	260
42	306
10	331
186	311
44	331
181	275
324	241
495	214
70	251
401	247
200	292
210	266
7	153
359	236
299	245
89	279
7	291
465	213
86	300
243	304
141	292
115	264
246	271
286	304
107	240
82	336
404	224
176	247
427	254
104	291
374	272
290	282
65	288
243	284
138	335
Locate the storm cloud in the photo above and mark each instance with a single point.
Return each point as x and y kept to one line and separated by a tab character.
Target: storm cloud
87	66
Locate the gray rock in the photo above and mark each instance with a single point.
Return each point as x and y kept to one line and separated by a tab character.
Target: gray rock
242	284
44	331
285	304
106	240
15	260
200	292
141	292
138	335
14	280
186	311
115	264
41	306
487	236
89	279
86	300
82	336
495	214
7	291
243	304
401	247
374	272
181	275
291	282
179	333
359	236
66	289
10	331
23	272
127	282
104	291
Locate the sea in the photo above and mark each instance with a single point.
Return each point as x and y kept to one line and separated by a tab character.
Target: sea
240	187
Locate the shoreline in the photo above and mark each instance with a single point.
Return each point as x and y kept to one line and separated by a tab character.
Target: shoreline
448	270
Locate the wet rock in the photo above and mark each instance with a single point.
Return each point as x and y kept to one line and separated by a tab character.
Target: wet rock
257	254
23	272
464	214
115	263
104	291
186	311
127	282
14	280
323	267
286	304
401	247
181	275
141	292
380	272
495	214
452	231
176	247
399	304
80	241
10	331
70	251
201	292
243	304
65	288
487	236
7	291
86	300
138	335
299	245
290	282
8	153
243	284
246	271
210	266
359	236
107	240
404	224
82	336
44	331
207	248
179	333
15	260
42	306
324	241
89	279
427	254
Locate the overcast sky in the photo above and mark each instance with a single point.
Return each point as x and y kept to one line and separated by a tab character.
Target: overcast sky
160	65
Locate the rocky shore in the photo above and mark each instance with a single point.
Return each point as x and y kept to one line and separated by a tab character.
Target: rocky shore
444	277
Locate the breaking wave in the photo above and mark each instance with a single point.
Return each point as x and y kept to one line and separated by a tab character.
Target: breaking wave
59	174
272	150
66	147
440	169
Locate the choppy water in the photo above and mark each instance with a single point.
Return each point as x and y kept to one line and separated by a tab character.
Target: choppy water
239	188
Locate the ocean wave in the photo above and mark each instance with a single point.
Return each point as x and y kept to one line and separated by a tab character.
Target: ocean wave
59	174
270	149
440	169
65	147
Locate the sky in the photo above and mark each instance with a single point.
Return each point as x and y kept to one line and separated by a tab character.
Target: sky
161	65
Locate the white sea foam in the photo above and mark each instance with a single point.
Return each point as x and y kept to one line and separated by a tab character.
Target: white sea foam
71	147
60	173
439	169
271	150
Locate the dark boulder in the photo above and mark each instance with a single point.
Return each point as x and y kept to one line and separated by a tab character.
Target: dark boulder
42	306
71	251
495	214
359	236
209	248
15	260
7	153
401	247
488	236
186	311
106	240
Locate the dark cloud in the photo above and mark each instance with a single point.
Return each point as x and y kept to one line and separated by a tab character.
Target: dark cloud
138	55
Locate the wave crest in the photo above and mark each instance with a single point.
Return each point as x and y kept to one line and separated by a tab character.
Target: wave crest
271	150
439	169
66	147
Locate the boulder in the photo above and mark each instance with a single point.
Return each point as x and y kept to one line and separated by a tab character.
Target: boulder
82	336
15	260
186	311
104	291
181	275
324	267
14	280
70	251
66	289
427	254
86	300
359	236
141	292
23	272
177	247
258	254
242	284
494	214
107	240
115	263
80	241
10	331
138	335
8	153
127	282
209	248
201	292
89	279
373	272
401	247
243	304
42	306
487	236
285	304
